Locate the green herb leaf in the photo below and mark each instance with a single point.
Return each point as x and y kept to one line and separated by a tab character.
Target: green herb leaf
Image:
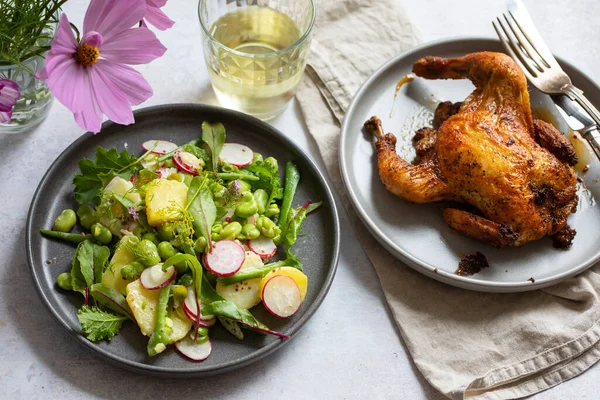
201	206
95	174
77	279
214	137
99	325
92	258
292	177
197	151
268	179
111	299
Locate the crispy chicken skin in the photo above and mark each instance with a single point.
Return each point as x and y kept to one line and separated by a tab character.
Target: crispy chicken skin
488	153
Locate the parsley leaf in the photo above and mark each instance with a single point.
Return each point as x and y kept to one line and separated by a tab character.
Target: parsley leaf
99	325
95	174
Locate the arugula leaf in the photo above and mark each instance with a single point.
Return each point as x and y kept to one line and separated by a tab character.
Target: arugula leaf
201	206
92	258
95	174
298	216
214	137
268	179
99	325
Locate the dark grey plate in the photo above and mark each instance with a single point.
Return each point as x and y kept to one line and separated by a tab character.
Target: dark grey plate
317	249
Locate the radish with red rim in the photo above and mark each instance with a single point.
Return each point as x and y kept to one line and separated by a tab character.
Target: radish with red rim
236	154
263	246
225	258
159	146
187	162
154	277
281	296
198	351
190	308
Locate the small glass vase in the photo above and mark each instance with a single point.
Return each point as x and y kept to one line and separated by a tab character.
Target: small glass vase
36	99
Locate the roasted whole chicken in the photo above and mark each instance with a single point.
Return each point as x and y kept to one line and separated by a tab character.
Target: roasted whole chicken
512	176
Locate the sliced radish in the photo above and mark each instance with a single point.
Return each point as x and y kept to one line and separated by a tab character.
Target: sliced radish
191	310
225	258
194	351
154	277
281	296
186	162
236	154
159	146
263	246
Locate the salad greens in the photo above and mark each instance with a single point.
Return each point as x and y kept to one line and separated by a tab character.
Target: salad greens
179	239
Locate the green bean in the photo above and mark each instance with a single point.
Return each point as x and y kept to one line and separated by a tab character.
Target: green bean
87	216
151	237
132	270
292	177
147	253
166	250
65	221
230	176
231	231
162	331
101	233
261	197
250	231
67	237
64	281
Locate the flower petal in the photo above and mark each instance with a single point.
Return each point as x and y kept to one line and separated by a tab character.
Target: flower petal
64	41
158	19
111	17
5	116
156	3
67	82
89	117
133	46
129	81
93	38
111	101
9	93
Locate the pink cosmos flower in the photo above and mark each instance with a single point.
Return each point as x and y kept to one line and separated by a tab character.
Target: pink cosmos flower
91	78
9	94
155	17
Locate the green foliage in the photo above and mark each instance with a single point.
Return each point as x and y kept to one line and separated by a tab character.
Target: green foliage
214	137
99	325
96	174
26	28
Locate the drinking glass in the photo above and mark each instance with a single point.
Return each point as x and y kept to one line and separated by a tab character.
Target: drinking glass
255	51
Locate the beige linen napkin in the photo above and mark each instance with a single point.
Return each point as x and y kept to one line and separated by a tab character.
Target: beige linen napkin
466	344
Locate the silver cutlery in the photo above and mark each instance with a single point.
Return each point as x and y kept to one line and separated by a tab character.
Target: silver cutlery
524	43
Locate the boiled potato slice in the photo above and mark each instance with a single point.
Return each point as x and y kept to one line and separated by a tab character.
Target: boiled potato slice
298	276
112	275
165	200
123	188
143	304
244	294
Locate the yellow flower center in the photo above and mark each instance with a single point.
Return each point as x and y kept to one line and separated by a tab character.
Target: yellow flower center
87	55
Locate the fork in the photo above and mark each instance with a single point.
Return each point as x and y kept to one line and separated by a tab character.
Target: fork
525	45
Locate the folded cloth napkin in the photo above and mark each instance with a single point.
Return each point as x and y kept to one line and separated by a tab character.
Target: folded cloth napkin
466	344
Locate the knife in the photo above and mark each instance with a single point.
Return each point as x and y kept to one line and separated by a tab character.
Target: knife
577	119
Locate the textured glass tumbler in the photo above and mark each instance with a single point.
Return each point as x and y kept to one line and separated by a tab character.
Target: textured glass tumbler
255	51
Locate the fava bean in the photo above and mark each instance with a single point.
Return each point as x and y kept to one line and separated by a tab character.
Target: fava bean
250	231
64	281
267	227
272	162
65	221
166	250
132	270
87	216
200	245
261	198
147	253
101	233
272	210
245	210
151	237
180	292
165	232
231	231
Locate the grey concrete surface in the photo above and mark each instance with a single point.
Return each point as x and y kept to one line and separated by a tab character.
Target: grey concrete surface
349	350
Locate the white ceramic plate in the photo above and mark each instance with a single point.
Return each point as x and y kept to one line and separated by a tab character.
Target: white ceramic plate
418	234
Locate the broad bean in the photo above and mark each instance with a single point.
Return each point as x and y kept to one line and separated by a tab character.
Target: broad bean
200	245
261	197
101	233
87	216
147	253
272	210
64	281
250	231
231	231
65	221
132	270
151	237
166	250
267	227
